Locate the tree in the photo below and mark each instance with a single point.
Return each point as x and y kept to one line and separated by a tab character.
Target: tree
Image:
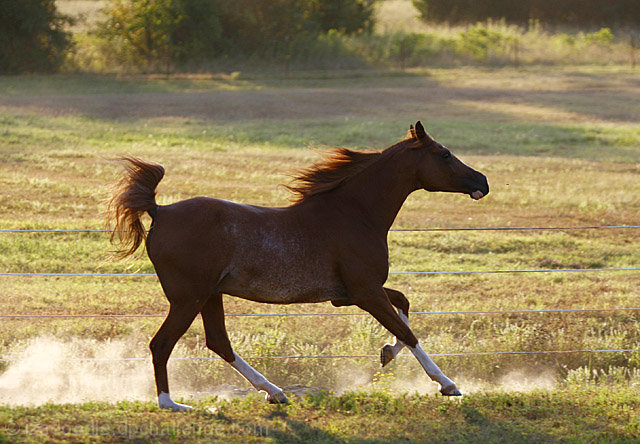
32	36
150	31
576	12
147	32
345	16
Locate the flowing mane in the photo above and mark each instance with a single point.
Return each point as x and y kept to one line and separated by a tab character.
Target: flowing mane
337	165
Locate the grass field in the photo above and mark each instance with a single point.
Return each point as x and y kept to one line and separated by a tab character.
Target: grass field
587	415
561	147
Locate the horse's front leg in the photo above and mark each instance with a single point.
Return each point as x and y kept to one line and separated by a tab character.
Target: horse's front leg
376	302
390	351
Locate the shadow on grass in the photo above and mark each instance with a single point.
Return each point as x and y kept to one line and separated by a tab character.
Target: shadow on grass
477	429
362	109
299	431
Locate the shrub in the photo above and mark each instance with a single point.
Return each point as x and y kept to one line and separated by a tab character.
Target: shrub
147	32
150	31
32	38
602	37
252	25
479	40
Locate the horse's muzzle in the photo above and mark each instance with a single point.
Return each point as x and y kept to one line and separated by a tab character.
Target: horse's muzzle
480	187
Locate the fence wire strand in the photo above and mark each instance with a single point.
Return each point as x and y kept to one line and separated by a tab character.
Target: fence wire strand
401	355
601	227
411	313
391	273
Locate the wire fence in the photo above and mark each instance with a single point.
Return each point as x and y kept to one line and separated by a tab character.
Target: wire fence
454	272
446	272
362	313
401	355
568	228
588	227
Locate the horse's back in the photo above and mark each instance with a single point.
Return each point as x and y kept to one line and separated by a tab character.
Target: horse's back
203	226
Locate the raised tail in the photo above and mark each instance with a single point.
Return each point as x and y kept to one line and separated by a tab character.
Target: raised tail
133	195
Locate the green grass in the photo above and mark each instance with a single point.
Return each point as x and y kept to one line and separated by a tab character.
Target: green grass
586	415
560	147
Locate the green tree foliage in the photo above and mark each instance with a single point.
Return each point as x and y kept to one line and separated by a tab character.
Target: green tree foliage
32	38
179	30
478	40
249	25
148	31
575	12
345	16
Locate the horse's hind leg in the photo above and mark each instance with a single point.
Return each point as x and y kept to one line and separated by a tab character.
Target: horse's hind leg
390	351
218	341
180	317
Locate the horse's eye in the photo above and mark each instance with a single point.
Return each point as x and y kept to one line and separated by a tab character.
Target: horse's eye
446	154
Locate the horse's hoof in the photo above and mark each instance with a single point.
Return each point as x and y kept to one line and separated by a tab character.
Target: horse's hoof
277	398
451	390
182	408
386	354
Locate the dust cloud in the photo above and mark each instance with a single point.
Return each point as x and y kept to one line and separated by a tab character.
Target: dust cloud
514	381
46	370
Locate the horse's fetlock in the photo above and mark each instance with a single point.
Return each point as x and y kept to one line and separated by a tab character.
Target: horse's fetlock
410	339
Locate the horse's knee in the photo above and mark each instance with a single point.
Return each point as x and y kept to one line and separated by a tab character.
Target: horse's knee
154	345
159	349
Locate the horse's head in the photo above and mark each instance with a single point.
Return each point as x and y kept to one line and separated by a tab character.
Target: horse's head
439	170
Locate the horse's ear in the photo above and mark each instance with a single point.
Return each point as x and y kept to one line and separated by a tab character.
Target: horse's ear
412	132
419	132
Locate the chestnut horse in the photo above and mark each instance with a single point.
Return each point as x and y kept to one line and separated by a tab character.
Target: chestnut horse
329	245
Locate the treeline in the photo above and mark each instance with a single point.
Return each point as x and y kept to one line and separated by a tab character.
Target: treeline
154	32
169	32
172	35
180	30
570	12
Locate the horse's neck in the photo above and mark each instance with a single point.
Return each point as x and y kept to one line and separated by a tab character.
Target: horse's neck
381	190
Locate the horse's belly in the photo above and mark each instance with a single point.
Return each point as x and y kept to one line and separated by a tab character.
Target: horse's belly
276	260
280	287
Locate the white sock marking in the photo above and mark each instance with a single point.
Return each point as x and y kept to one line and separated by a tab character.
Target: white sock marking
165	402
256	379
430	367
